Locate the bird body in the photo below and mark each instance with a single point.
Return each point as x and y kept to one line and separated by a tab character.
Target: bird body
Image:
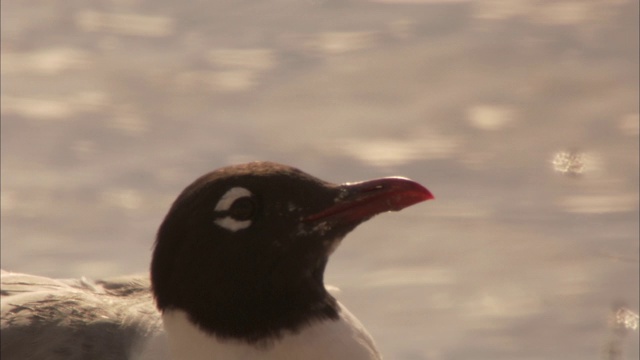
73	319
236	273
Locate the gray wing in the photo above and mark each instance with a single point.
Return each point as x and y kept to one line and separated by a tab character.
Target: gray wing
51	319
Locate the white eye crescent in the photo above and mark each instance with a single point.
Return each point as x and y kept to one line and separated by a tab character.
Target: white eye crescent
230	197
225	203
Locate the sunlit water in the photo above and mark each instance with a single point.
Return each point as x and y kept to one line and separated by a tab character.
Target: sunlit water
520	116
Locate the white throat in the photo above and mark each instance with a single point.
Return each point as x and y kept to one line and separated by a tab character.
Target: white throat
340	339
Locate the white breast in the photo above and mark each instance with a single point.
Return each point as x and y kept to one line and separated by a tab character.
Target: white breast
340	339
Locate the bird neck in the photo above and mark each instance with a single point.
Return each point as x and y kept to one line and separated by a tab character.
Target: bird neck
250	309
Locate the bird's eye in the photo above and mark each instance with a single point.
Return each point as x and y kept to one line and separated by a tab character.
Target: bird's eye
242	209
235	209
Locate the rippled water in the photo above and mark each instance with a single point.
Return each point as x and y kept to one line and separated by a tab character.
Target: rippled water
521	117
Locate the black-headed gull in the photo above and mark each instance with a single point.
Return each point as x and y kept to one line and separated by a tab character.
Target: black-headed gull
236	273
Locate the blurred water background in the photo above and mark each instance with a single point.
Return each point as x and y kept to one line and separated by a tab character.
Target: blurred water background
520	115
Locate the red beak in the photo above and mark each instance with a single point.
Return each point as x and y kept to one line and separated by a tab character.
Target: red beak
360	201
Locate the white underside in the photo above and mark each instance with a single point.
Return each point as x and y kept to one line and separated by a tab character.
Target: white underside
341	339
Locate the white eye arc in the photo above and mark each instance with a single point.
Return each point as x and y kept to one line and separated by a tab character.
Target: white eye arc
230	197
232	224
225	203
